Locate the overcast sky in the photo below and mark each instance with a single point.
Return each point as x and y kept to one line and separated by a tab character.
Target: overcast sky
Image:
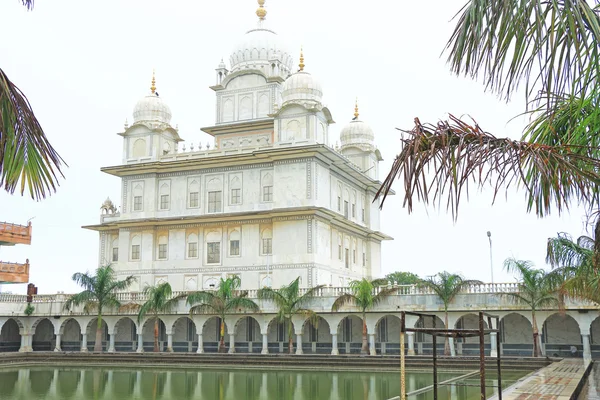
84	65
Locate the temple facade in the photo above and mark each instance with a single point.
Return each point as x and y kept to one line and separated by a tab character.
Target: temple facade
269	199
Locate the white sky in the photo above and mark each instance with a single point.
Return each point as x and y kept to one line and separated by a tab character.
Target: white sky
84	65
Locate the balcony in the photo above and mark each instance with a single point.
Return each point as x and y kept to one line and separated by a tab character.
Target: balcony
14	272
11	234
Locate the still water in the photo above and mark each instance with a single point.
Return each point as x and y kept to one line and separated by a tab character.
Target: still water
179	384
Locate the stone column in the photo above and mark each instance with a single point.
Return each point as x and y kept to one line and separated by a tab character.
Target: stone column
452	347
84	348
231	343
411	343
372	349
200	344
111	342
493	347
26	343
587	351
57	346
170	342
140	346
265	343
299	344
334	345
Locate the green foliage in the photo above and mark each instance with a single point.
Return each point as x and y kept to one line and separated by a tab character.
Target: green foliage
29	310
402	278
227	299
160	301
537	288
364	294
446	286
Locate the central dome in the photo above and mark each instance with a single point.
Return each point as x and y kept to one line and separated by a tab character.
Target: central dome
152	109
260	49
302	87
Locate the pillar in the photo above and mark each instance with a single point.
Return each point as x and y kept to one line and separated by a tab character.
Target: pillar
84	348
587	351
26	343
200	344
411	343
57	346
334	345
452	347
265	344
231	343
140	346
493	347
372	349
111	342
170	342
299	343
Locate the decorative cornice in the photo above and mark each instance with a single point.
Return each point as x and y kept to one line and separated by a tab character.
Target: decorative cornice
209	270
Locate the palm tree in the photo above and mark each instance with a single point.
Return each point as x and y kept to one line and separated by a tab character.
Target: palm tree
227	299
577	263
537	289
100	292
290	303
160	301
27	159
446	286
552	48
365	295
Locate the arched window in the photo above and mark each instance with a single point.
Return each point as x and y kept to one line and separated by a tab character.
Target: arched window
210	284
163	247
266	242
236	191
354	250
245	108
340	246
139	148
215	195
138	198
115	250
267	188
234	243
164	196
213	247
136	243
346	203
354	204
263	105
339	197
194	194
227	111
347	253
192	246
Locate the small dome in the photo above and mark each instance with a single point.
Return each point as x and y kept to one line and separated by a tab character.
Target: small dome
258	50
152	108
222	64
302	87
358	134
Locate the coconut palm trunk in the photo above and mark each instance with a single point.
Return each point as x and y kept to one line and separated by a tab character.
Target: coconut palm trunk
98	342
290	337
447	351
222	348
365	344
156	349
536	334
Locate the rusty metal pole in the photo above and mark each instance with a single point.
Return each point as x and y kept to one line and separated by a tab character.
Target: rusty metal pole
402	363
481	356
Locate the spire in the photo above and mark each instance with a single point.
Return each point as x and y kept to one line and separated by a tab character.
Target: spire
153	87
356	109
301	65
261	12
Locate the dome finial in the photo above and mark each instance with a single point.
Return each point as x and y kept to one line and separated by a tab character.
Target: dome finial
356	109
301	65
261	12
153	87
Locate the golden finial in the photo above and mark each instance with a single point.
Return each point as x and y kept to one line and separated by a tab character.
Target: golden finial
261	12
301	65
356	109
153	87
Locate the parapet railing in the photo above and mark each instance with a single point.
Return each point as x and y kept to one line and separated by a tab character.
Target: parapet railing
15	230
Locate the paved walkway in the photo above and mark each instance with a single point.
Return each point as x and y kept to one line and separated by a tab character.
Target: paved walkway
557	381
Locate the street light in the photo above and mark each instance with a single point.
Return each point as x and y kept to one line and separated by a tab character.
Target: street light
489	235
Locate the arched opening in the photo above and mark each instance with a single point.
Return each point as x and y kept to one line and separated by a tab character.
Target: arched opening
387	335
211	335
41	381
91	334
148	335
10	338
561	336
516	335
183	384
350	335
470	345
248	338
43	338
185	338
423	341
595	338
316	338
278	336
67	382
70	335
125	335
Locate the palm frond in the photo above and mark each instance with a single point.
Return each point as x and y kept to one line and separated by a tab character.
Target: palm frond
440	161
79	299
26	155
202	296
204	308
240	304
551	45
343	300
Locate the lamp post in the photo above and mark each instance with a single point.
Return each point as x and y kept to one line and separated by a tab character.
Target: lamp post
489	235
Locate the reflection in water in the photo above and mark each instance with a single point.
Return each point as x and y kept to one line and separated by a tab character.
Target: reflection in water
103	383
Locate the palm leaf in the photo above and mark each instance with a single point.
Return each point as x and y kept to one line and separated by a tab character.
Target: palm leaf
26	156
204	308
438	162
343	300
241	304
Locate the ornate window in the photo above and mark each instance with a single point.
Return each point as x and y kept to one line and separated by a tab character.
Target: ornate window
234	243
213	247
266	244
339	247
194	194
138	198
192	246
115	250
214	202
236	191
162	248
135	248
164	196
267	188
